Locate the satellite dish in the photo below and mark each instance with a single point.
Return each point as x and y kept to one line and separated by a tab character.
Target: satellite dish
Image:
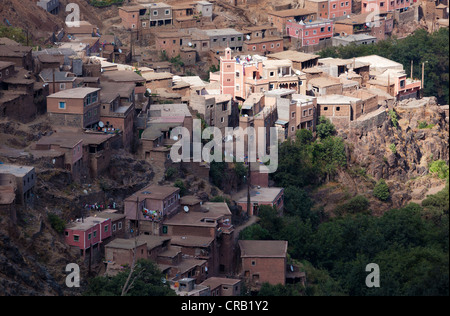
120	51
175	138
101	124
186	209
248	37
190	44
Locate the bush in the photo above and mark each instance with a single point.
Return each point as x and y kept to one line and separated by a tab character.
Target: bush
325	128
393	148
180	184
57	223
170	172
381	190
358	204
424	124
440	168
394	117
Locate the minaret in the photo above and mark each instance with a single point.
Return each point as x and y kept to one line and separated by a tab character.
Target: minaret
227	73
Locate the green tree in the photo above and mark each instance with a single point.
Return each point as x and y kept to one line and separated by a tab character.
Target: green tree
381	190
325	128
147	280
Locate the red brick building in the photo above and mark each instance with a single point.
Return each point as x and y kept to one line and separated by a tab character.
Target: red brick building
263	261
310	33
266	45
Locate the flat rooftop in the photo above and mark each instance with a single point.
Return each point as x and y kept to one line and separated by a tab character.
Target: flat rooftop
260	195
86	223
263	248
336	99
155	192
16	170
293	55
75	93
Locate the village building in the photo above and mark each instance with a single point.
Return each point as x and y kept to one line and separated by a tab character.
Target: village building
20	55
57	80
307	33
22	179
385	5
117	110
205	234
380	26
266	45
270	196
118	222
51	6
390	77
355	39
20	95
223	286
279	19
88	235
295	112
263	261
300	61
339	109
78	107
146	208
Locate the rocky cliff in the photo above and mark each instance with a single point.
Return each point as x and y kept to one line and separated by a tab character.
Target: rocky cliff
396	145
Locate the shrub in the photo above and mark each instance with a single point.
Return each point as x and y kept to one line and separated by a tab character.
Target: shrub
440	168
358	204
394	117
57	223
393	148
180	184
424	124
381	190
170	172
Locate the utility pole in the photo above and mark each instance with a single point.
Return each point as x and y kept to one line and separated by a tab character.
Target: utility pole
248	188
412	69
423	75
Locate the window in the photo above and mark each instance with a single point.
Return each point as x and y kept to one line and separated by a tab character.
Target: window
89	236
119	225
155	13
329	29
334	6
144	24
346	3
402	83
106	228
293	114
66	233
167	12
338	108
325	108
322	29
76	238
232	39
264	47
114	227
306	33
62	105
342	4
254	47
95	234
62	86
314	31
222	119
271	46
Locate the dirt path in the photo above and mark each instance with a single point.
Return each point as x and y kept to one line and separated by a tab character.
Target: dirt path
252	220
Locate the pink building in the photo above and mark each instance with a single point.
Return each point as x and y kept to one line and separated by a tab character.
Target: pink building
310	32
245	75
385	5
87	232
338	8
